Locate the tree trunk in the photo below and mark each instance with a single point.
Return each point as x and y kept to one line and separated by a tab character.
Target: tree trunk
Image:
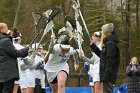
137	27
128	32
16	15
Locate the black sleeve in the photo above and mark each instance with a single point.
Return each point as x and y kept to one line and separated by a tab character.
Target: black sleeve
95	49
9	49
110	50
138	71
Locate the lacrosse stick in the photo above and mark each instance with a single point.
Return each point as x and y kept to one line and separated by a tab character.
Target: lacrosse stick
76	7
36	17
48	27
70	26
55	11
77	34
50	14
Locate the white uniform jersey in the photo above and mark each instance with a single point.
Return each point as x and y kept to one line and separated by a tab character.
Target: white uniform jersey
96	61
57	62
38	73
94	69
91	69
22	74
20	61
18	47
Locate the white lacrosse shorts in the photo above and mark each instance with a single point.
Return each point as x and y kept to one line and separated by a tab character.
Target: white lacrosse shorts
96	77
30	78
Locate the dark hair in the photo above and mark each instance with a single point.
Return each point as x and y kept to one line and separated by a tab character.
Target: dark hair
16	33
66	41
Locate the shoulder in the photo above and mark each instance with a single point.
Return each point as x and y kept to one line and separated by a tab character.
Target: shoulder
129	66
5	41
110	44
57	48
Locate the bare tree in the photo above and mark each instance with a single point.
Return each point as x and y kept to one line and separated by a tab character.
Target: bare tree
128	31
137	25
16	15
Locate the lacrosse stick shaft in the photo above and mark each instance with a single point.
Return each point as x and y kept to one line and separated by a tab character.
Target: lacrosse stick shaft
78	9
34	38
84	23
38	34
56	10
35	32
36	17
40	41
50	24
46	42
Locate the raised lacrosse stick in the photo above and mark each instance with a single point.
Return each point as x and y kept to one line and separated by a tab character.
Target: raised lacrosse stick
50	14
55	11
77	34
48	27
76	7
36	17
70	26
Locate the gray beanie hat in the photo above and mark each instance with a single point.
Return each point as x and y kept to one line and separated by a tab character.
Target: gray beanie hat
108	28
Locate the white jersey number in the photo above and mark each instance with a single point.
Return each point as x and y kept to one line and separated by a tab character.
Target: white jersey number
64	58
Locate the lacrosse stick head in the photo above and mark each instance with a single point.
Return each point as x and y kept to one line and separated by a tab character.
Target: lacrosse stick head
71	21
69	28
47	13
36	17
55	10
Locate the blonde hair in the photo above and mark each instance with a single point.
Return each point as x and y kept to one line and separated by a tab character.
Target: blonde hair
133	59
3	27
103	38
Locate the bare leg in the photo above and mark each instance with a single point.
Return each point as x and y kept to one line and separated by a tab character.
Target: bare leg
30	89
61	77
24	90
54	88
15	88
93	89
98	87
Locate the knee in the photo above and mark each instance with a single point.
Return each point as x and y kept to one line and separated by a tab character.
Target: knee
61	84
